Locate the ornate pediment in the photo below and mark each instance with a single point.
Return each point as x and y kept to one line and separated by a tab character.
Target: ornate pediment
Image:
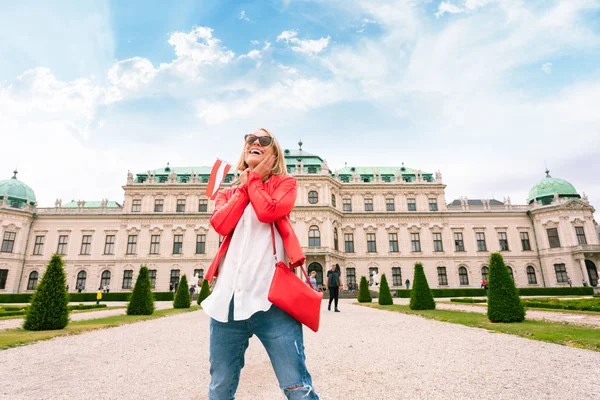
576	204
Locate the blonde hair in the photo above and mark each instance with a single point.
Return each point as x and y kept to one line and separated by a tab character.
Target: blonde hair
313	273
279	167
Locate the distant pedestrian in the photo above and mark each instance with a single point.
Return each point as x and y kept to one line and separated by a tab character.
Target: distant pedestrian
407	283
107	288
584	283
483	283
192	290
170	286
175	286
570	282
67	288
333	286
313	280
80	288
98	296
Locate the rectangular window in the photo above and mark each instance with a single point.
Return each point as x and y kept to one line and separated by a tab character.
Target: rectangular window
202	205
580	235
349	242
152	276
561	273
525	241
131	244
86	244
459	244
180	205
155	244
3	277
109	244
368	204
415	242
371	243
503	241
442	277
351	276
480	236
347	204
553	238
8	243
433	205
396	276
158	205
39	245
62	245
136	205
127	279
412	204
177	244
389	205
437	242
174	276
201	244
393	237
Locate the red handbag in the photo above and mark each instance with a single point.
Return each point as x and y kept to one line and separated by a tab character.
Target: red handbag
293	296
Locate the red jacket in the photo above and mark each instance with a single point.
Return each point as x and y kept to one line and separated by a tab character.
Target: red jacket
273	202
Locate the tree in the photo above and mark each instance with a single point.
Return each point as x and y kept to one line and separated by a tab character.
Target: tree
385	296
364	295
142	300
182	296
421	297
204	291
50	300
504	304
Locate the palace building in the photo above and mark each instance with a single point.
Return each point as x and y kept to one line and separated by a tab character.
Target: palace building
365	219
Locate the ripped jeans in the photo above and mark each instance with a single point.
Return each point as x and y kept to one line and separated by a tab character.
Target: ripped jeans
282	337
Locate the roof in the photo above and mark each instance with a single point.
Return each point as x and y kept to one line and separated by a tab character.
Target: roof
547	187
379	170
476	202
92	204
16	190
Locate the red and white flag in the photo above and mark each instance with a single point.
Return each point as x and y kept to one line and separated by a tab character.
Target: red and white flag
218	173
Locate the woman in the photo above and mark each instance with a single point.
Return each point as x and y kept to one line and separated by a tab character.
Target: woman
238	305
313	280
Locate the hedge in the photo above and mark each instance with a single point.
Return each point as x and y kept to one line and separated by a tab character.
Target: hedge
84	297
468	300
86	306
421	297
14	311
552	291
364	294
504	304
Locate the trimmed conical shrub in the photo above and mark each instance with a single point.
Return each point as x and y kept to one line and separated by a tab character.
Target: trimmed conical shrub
182	296
364	294
385	296
504	304
142	300
49	303
421	297
204	291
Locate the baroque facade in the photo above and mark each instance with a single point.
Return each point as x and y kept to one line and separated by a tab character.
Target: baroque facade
366	219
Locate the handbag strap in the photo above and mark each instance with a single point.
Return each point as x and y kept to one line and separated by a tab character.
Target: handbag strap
275	254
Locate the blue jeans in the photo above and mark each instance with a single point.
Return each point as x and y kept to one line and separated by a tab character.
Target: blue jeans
282	337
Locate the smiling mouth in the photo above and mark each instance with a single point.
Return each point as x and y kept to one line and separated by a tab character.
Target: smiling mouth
255	152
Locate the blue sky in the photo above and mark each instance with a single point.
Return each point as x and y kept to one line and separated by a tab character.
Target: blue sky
486	91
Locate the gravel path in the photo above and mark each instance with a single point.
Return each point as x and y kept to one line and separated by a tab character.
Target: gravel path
589	320
360	353
17	323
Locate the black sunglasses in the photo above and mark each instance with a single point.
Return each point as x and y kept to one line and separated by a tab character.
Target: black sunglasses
262	140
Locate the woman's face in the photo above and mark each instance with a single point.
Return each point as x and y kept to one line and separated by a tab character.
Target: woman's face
254	153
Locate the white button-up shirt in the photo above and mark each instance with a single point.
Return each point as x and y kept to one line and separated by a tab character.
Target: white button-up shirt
246	270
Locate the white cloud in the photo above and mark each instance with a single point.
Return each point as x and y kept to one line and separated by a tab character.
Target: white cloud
255	42
128	76
200	47
306	46
467	6
252	54
243	16
547	68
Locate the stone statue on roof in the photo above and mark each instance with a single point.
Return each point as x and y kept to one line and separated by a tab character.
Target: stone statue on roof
129	177
438	176
585	197
58	203
555	196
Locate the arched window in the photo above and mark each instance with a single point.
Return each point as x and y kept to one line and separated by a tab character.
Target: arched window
510	271
105	280
174	276
81	278
484	273
332	200
33	278
314	236
313	197
319	269
531	278
336	244
351	276
463	276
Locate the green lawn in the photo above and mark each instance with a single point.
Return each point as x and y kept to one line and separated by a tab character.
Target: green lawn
16	337
71	312
564	334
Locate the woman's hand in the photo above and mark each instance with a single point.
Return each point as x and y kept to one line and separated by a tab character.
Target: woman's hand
265	167
244	177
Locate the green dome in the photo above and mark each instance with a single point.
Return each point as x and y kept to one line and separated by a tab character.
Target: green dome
545	189
18	193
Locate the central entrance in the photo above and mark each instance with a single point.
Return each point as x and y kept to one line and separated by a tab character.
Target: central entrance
315	266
